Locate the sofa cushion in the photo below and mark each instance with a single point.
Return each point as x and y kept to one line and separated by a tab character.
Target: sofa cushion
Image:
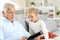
43	17
51	25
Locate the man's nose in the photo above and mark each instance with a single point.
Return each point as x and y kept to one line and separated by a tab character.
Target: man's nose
12	14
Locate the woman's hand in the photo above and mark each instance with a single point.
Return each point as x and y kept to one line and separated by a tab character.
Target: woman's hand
41	37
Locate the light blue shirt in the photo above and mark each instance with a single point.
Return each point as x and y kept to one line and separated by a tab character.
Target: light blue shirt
11	31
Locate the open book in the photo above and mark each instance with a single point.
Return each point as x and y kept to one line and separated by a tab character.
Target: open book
35	35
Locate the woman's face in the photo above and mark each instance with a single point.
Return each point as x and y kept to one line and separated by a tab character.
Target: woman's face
32	17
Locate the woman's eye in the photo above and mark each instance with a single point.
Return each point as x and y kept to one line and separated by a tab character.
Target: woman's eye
31	16
28	17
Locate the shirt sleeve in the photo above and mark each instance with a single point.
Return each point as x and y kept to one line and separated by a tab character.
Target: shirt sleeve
1	34
24	31
45	31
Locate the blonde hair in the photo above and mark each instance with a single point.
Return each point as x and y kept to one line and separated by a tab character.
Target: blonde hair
32	10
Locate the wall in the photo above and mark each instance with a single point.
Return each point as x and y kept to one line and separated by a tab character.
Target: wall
54	2
21	3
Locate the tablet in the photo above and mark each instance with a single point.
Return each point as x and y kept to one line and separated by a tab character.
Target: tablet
35	35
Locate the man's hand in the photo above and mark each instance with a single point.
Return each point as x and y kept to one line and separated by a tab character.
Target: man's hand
23	38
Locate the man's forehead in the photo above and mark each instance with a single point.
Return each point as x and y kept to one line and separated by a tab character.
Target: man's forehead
10	8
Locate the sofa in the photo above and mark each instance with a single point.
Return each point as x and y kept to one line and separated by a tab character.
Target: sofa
51	24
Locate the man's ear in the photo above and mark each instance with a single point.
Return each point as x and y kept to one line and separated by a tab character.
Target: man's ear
3	13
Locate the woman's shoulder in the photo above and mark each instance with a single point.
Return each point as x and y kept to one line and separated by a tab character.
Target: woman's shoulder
41	21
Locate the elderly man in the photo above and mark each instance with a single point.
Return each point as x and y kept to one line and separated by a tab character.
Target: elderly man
9	28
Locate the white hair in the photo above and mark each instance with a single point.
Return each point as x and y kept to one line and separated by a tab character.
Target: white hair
6	5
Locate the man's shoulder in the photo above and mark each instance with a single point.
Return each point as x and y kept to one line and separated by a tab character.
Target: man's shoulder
17	22
41	21
2	23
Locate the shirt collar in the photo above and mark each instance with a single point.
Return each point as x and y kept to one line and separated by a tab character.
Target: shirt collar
5	19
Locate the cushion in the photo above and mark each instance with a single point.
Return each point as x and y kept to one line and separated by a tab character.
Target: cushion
43	17
52	35
51	25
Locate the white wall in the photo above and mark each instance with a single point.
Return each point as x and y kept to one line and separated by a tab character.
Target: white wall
54	2
21	3
50	2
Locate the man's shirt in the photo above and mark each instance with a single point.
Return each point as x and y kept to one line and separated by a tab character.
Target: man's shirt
11	31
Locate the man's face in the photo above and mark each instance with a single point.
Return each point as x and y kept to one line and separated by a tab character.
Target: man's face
9	14
32	17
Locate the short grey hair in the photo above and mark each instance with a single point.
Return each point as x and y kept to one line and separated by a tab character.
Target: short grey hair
6	5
